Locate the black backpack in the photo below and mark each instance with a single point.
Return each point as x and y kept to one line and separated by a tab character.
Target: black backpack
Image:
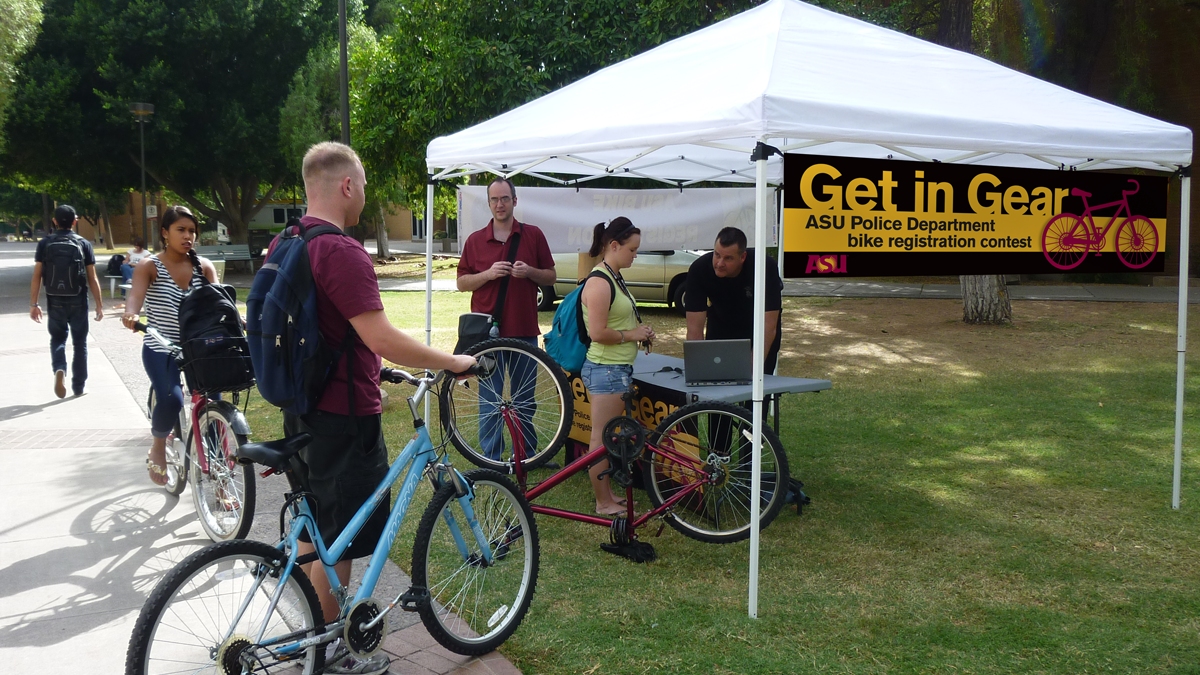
63	268
216	357
114	265
292	362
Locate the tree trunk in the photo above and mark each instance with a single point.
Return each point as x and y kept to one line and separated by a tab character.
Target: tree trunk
104	222
381	237
985	300
954	24
46	225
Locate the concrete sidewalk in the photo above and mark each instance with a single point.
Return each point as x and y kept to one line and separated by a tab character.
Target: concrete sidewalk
86	535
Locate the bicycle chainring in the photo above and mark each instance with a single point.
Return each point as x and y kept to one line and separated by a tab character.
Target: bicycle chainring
624	438
364	643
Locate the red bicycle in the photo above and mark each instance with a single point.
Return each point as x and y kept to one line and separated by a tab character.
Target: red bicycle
695	465
1068	237
202	451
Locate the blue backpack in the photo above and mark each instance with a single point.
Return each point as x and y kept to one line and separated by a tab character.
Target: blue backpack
291	360
568	340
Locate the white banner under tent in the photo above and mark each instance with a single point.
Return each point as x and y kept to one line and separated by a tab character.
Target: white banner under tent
668	219
717	104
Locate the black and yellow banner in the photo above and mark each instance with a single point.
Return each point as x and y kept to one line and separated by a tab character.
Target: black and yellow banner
869	217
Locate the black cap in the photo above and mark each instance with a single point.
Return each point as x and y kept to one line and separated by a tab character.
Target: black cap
64	216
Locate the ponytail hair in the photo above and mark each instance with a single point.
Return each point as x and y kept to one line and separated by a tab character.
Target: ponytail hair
619	229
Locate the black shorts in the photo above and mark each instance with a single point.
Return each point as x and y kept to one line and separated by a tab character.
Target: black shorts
345	462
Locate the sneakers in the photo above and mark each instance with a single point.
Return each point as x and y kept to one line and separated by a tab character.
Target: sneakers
60	389
376	665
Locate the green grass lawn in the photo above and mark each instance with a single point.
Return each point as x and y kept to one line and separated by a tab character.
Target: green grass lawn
985	500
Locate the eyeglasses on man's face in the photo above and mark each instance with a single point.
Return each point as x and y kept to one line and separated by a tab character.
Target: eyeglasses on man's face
494	201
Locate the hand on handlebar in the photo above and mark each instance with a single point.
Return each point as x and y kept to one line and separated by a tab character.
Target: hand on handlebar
130	321
462	364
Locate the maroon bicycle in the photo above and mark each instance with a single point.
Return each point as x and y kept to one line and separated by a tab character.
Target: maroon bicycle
695	466
1068	238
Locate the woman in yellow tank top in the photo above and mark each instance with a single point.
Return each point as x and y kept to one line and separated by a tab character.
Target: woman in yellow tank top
615	332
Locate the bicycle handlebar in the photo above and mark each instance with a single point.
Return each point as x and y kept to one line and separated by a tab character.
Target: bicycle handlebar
483	368
159	337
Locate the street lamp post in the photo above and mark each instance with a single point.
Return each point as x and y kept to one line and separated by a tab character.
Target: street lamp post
344	72
141	111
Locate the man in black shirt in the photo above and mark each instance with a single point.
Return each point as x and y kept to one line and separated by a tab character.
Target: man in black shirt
720	293
67	265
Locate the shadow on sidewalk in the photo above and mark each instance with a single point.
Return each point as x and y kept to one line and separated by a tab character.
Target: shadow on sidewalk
12	412
125	545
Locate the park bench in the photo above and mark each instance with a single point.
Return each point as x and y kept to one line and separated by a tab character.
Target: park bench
228	253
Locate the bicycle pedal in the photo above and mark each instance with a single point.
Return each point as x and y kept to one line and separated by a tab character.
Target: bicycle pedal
414	599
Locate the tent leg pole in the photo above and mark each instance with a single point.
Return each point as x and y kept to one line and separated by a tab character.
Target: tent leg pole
1185	212
428	274
758	354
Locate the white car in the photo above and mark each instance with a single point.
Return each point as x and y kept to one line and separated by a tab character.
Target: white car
656	276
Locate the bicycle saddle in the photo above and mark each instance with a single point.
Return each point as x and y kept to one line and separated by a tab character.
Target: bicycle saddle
1076	192
273	454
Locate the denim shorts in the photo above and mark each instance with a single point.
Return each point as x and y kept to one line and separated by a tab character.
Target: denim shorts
603	379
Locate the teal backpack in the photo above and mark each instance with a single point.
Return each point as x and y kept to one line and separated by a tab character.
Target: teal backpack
568	341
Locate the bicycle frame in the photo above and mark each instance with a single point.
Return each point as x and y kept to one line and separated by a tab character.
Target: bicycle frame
633	521
199	400
1095	235
591	457
413	461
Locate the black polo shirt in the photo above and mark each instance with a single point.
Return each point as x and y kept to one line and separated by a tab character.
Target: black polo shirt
729	301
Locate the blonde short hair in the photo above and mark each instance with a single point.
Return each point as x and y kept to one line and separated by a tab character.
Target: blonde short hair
329	160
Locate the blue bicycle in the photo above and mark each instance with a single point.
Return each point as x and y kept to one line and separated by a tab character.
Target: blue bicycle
247	607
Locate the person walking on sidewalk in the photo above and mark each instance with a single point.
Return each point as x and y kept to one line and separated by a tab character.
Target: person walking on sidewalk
66	263
161	281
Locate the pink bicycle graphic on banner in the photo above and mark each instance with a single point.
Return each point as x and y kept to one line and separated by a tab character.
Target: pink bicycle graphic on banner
1068	238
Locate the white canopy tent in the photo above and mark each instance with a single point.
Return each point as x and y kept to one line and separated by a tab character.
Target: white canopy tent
715	105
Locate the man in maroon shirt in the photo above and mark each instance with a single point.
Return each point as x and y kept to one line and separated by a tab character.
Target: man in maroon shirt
481	269
347	457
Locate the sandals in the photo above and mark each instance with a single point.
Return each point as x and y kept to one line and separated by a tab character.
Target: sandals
158	474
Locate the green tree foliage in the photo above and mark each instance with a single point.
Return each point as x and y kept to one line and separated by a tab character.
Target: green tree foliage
442	66
19	22
20	207
217	72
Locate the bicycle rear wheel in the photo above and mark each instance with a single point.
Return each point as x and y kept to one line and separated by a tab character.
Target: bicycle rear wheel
223	495
1065	241
1137	242
187	624
525	396
711	439
473	607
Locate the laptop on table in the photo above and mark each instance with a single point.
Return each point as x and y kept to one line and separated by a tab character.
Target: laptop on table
717	362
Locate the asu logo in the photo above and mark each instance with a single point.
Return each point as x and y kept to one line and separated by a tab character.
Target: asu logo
826	264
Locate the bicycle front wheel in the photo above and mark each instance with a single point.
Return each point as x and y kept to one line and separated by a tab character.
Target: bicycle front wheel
224	494
1065	241
1137	242
474	606
710	443
525	398
206	613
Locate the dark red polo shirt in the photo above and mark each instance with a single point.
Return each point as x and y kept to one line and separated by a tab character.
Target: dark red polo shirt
346	287
520	306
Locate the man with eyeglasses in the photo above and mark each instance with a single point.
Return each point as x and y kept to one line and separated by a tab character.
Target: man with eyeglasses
482	269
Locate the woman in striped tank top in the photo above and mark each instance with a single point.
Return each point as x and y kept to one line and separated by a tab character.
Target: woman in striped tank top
160	281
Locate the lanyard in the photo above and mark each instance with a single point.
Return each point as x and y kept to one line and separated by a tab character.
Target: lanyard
621	282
